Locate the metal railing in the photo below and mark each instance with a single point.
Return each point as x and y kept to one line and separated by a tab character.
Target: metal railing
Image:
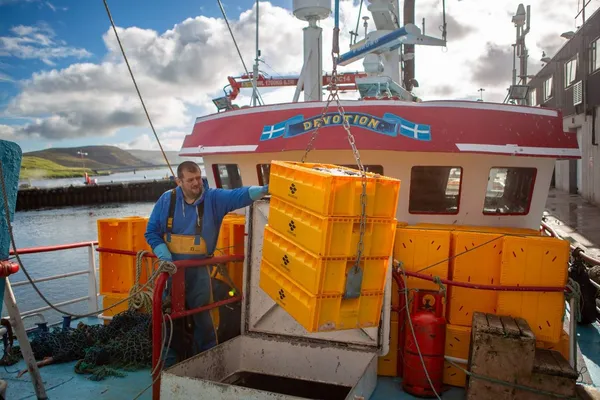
589	260
91	298
93	293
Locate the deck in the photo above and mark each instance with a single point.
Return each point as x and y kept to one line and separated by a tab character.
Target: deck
62	382
569	215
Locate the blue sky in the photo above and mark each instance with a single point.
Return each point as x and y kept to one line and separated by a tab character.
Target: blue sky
81	24
63	82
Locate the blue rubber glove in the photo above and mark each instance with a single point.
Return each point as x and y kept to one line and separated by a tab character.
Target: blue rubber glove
258	192
162	252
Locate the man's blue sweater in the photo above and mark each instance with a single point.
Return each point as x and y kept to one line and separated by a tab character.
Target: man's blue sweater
217	203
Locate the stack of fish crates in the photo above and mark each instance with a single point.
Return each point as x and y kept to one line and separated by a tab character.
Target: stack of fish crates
310	243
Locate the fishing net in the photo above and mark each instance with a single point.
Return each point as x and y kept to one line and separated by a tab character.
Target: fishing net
100	350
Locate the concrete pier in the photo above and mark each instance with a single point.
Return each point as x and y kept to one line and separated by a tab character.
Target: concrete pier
32	199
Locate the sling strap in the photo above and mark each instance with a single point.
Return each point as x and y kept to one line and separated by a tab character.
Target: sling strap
171	215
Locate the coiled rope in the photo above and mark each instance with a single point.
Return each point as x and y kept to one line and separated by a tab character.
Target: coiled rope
140	299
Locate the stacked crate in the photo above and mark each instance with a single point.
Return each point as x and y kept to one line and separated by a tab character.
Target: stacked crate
310	243
117	272
488	256
231	242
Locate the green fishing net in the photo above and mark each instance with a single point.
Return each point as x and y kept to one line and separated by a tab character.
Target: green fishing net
100	350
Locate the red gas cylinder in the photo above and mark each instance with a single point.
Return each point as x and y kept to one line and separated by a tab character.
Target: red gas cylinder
429	325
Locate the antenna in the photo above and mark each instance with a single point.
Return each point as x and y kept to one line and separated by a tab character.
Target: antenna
255	70
518	89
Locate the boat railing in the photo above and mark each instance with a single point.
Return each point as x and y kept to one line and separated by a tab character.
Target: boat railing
91	270
589	260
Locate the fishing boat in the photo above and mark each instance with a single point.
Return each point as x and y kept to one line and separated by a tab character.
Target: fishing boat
466	166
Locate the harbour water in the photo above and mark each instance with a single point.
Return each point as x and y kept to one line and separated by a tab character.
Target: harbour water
54	227
63	226
139	175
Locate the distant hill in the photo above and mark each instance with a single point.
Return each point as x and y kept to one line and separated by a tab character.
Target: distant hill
155	156
39	168
98	157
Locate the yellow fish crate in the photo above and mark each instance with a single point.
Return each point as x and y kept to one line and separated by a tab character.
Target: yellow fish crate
117	271
320	275
320	313
477	260
331	190
458	340
231	242
331	236
535	261
425	251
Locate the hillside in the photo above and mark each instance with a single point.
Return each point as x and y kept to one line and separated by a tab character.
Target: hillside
156	157
38	168
98	157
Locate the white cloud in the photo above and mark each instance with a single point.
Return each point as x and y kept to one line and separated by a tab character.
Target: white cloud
7	132
181	69
170	141
5	77
37	42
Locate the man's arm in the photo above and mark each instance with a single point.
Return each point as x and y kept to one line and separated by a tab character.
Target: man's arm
228	200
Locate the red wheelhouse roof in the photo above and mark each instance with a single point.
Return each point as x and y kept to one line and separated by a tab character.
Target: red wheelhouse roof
433	126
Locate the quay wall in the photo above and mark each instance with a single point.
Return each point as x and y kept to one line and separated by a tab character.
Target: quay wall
37	198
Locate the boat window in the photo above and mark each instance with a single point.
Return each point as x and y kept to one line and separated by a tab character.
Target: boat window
263	171
376	169
227	176
434	190
509	190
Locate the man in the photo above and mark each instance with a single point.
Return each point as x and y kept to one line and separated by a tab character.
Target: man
184	224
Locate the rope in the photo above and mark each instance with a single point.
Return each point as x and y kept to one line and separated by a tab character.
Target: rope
508	384
136	86
575	292
438	281
140	299
239	52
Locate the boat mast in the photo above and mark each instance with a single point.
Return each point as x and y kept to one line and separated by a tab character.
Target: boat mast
311	77
255	70
518	90
409	49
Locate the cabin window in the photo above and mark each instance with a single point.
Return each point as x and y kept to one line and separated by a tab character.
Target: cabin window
594	59
434	190
376	169
263	171
509	191
570	72
227	176
548	88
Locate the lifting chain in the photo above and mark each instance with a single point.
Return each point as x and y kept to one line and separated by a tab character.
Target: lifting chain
354	278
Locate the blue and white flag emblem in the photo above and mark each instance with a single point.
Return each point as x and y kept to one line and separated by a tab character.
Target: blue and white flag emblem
280	128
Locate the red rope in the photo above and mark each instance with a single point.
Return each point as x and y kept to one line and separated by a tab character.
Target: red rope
484	287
